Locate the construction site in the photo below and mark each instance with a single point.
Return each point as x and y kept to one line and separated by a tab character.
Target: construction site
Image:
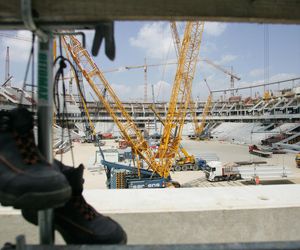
230	158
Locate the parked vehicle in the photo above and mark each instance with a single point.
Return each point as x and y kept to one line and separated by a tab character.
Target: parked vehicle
186	163
216	171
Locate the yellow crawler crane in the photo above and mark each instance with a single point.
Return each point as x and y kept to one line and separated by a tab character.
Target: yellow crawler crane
175	117
185	162
112	104
180	96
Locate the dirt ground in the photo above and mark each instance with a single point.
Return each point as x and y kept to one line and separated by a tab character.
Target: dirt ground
227	152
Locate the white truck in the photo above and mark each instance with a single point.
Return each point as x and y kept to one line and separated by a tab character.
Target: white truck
216	171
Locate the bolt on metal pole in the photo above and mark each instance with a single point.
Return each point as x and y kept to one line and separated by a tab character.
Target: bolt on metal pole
45	121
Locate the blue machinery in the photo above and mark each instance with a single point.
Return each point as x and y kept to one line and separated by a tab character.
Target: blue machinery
123	176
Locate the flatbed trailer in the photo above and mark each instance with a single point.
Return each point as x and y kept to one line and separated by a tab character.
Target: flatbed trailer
253	149
246	163
216	171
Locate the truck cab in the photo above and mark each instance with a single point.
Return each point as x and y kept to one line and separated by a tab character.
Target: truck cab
212	170
216	171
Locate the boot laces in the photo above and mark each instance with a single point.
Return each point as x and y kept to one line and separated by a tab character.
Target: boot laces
27	147
84	208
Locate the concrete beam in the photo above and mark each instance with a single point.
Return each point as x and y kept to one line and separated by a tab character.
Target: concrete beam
79	13
189	215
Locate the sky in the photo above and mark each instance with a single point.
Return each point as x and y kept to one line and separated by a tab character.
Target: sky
257	53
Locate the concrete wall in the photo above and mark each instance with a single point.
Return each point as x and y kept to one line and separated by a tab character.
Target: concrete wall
198	215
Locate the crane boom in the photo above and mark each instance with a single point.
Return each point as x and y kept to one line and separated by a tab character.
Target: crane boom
222	69
232	76
142	66
198	128
180	96
176	37
177	44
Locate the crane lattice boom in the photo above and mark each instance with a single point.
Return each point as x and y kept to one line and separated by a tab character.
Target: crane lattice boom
198	128
111	102
176	38
222	69
180	95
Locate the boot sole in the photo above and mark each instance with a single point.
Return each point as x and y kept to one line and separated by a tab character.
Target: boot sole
36	200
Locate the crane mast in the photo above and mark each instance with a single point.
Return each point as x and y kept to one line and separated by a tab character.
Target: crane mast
7	72
180	95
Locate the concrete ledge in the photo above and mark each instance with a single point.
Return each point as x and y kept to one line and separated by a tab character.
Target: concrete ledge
236	246
193	199
189	216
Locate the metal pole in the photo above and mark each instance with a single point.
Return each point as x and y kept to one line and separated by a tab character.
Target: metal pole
45	121
153	102
145	82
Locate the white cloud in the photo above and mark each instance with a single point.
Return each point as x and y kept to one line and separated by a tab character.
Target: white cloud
162	91
124	92
155	38
207	47
256	72
214	29
281	77
227	59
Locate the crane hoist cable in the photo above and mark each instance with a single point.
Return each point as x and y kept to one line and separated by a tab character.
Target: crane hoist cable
82	97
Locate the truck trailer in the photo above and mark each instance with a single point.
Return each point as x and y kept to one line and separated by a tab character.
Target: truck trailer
253	149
